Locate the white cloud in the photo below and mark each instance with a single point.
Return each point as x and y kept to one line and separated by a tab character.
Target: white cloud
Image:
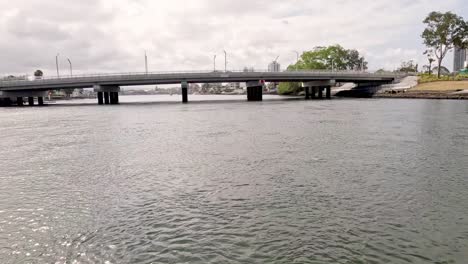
111	35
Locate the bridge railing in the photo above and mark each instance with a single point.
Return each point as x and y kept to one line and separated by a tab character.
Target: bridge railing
137	75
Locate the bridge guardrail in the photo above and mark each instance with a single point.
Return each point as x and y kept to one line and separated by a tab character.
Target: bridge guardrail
136	75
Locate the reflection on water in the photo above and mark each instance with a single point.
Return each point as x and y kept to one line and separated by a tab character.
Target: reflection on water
340	181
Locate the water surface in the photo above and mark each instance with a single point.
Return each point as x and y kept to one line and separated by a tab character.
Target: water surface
339	181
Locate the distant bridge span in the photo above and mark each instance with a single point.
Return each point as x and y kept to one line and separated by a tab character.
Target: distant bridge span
109	84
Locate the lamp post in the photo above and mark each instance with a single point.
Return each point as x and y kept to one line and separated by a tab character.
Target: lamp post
71	67
297	59
214	63
225	61
146	63
332	63
56	65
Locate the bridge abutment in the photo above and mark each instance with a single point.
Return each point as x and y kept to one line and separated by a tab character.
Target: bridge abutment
254	91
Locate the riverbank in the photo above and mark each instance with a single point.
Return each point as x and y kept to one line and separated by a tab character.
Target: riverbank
432	90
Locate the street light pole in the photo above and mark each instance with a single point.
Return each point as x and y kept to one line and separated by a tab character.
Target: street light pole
71	67
214	63
146	63
225	61
297	59
332	63
56	65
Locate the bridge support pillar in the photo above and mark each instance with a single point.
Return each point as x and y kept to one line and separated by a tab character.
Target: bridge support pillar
5	101
40	101
254	91
307	92
314	92
114	98
100	98
318	87
107	94
31	101
184	87
19	101
106	98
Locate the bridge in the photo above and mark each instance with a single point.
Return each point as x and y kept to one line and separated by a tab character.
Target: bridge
108	86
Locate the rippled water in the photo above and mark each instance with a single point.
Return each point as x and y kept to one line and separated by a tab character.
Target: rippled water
340	181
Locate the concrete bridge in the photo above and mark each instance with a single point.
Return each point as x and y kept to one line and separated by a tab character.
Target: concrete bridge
108	86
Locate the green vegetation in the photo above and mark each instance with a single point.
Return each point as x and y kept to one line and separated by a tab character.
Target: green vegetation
324	58
408	66
288	88
427	78
443	32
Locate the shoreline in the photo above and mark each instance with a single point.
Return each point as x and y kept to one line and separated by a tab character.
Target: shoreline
424	94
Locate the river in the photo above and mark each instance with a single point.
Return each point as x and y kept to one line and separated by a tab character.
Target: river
229	181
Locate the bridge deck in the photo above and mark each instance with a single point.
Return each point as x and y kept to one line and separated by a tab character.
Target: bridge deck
87	81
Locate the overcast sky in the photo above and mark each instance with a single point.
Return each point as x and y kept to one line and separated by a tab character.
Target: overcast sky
112	35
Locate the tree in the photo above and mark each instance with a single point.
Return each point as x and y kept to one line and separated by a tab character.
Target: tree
408	66
332	57
325	58
443	32
38	74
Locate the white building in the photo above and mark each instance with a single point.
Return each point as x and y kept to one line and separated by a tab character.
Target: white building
274	66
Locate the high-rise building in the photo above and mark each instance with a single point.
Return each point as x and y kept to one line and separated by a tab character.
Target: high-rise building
460	59
274	66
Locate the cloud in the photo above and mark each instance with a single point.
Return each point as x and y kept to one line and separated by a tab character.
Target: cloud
112	35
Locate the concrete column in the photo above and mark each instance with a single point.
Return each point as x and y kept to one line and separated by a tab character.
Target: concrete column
307	92
106	98
100	98
19	101
31	101
184	87
320	92
314	92
111	98
6	101
40	100
328	92
260	93
114	97
254	91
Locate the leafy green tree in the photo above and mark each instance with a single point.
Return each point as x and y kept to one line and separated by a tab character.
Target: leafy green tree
324	58
332	57
443	32
287	88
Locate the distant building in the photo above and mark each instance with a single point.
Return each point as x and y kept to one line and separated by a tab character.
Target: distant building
460	59
274	66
